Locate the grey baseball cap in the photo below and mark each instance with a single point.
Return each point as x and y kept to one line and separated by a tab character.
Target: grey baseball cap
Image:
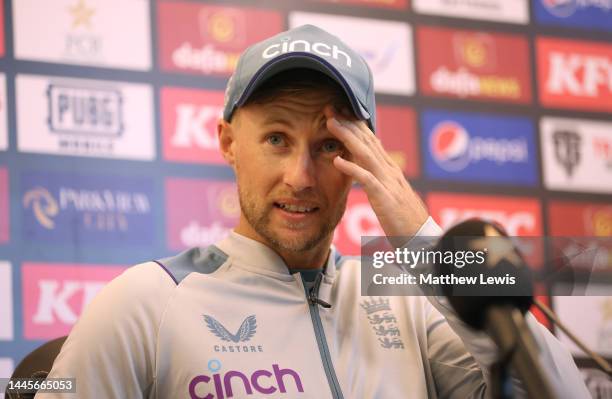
308	47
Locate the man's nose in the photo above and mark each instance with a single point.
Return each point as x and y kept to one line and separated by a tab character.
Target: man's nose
300	171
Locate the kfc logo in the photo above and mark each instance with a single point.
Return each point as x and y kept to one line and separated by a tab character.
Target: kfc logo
575	74
55	295
519	216
189	125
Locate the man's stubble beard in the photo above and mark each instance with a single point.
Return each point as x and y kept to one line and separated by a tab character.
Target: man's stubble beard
259	219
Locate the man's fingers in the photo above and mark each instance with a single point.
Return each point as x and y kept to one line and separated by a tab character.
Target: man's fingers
351	136
363	176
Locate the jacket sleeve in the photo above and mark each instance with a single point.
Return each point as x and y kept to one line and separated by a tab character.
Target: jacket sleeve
460	357
111	349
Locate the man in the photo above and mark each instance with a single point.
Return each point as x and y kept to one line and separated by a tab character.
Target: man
273	310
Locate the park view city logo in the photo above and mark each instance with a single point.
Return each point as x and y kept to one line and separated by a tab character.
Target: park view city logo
199	212
385	45
6	302
211	37
587	14
515	11
359	220
479	147
397	4
55	295
85	32
189	125
3	114
471	64
85	118
576	154
87	209
4	206
396	129
575	74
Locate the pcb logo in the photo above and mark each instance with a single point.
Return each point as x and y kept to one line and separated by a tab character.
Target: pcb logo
247	329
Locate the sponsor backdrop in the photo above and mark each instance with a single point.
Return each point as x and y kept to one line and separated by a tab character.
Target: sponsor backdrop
108	152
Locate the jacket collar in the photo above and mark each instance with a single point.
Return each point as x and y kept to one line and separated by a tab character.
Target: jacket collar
257	257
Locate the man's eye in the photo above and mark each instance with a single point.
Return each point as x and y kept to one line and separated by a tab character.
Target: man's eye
331	146
275	139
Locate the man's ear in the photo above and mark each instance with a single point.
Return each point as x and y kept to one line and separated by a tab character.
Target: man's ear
227	138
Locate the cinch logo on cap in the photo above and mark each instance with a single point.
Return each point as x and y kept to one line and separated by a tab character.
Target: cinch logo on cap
318	48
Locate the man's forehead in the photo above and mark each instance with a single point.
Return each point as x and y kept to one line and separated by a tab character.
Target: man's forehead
303	101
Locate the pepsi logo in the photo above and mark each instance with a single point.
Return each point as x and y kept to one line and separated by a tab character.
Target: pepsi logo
560	8
449	145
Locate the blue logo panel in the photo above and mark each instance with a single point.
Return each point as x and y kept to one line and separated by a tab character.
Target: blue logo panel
587	14
79	209
479	147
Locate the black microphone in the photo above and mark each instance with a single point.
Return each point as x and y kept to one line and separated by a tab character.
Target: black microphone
496	309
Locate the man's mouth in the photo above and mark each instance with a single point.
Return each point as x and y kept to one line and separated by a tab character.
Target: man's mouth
291	208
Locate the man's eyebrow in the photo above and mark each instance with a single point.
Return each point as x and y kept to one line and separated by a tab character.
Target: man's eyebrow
277	119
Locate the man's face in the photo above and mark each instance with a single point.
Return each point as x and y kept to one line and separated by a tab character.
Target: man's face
291	194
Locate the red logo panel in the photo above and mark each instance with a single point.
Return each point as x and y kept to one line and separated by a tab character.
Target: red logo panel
4	206
579	219
575	74
359	220
189	125
396	129
207	39
575	219
199	212
519	216
55	295
470	64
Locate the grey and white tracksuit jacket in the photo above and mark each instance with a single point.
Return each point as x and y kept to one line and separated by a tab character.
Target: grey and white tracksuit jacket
231	321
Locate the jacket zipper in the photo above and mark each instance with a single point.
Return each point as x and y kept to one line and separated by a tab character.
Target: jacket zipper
313	306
